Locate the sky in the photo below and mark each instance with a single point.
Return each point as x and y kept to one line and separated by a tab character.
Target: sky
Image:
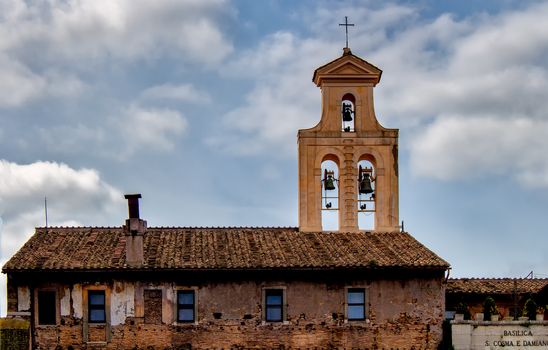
196	105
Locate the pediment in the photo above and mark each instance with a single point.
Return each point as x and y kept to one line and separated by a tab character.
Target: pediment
348	66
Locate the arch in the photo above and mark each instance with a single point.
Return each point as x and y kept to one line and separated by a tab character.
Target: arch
348	112
329	153
330	194
366	198
372	155
354	93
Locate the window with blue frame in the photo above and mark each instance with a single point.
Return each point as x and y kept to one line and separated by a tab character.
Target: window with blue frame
185	306
355	299
274	299
96	306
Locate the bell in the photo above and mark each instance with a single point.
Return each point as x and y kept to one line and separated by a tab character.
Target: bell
347	113
329	184
365	185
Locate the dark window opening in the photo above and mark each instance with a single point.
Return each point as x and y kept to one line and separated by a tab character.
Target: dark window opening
185	306
96	306
356	304
46	308
274	305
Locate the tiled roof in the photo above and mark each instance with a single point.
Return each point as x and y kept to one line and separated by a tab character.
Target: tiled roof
496	285
85	248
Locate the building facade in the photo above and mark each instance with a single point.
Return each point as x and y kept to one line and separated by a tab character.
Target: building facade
364	284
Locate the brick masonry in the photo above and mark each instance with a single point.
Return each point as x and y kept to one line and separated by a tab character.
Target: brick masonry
402	314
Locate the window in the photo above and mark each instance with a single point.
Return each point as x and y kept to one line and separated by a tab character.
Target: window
274	305
46	307
185	306
96	306
355	304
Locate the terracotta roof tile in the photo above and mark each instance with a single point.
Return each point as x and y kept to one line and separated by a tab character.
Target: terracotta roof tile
85	248
496	285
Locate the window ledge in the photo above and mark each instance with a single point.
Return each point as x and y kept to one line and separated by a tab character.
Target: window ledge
285	323
188	324
366	321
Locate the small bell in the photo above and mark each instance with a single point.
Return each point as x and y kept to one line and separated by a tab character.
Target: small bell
329	181
365	184
347	112
329	184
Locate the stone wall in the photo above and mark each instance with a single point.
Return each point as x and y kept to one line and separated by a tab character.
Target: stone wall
475	335
14	334
401	314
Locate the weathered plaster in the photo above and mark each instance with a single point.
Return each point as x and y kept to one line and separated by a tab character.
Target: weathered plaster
170	298
65	302
23	299
122	302
77	300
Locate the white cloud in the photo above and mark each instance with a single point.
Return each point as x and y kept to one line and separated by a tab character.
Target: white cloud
456	148
120	135
75	197
489	69
181	92
45	46
150	128
283	100
18	84
125	29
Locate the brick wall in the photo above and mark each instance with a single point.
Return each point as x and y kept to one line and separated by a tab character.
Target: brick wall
402	314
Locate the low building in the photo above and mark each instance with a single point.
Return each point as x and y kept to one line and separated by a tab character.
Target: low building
510	294
238	288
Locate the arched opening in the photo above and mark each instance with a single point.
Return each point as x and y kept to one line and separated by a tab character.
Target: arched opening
348	112
366	195
330	195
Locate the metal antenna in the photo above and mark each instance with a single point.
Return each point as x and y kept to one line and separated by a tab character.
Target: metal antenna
46	211
346	25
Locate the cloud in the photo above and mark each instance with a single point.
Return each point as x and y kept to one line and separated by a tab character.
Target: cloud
283	100
454	148
50	48
486	70
75	197
18	83
143	128
120	135
123	29
181	92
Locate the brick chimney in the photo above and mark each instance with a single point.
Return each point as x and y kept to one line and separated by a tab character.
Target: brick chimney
134	230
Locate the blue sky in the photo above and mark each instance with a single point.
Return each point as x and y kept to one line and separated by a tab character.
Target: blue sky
196	105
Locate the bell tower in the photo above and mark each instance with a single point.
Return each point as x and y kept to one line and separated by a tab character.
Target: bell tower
348	162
